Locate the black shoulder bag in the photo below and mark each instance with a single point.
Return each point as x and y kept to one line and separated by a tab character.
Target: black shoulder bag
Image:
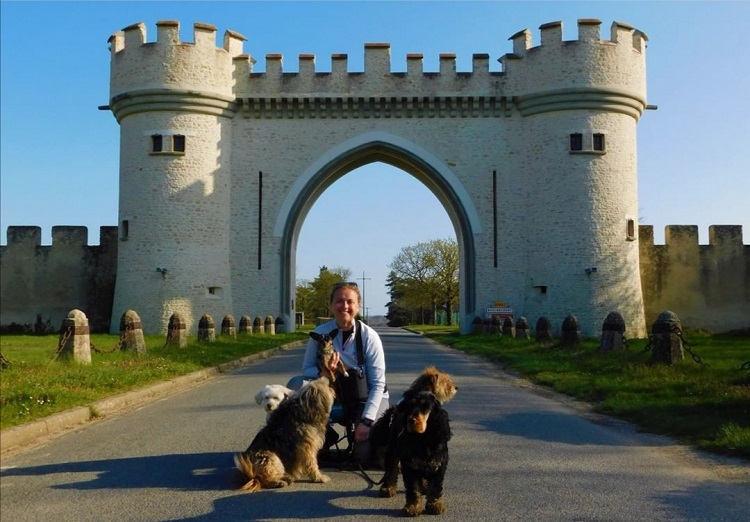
352	391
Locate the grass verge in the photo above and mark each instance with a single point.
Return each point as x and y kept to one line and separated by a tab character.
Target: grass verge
36	385
703	405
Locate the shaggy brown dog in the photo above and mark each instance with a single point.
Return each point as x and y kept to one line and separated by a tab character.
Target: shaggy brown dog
286	448
384	432
422	448
325	351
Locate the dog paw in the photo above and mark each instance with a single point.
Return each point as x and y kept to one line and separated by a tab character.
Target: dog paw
322	478
435	506
387	491
412	510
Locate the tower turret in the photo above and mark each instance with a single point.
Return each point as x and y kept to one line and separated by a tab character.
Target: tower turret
172	100
580	101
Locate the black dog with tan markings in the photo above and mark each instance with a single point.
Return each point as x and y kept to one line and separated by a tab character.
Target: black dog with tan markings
421	446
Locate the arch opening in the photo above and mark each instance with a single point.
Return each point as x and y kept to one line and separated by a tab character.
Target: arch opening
411	161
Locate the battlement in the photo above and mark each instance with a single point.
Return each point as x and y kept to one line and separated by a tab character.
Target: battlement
587	73
589	31
168	33
30	237
170	74
682	236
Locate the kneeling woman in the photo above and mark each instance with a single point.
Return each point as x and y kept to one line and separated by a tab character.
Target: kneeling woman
364	396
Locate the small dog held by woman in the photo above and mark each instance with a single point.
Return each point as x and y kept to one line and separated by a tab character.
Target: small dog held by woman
325	351
286	448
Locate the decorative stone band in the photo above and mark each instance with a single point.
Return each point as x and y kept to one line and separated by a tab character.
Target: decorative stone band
77	329
376	107
150	100
585	98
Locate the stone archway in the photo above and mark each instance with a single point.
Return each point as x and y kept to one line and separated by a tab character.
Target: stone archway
386	148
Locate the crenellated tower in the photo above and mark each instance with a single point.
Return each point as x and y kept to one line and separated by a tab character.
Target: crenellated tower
173	101
579	102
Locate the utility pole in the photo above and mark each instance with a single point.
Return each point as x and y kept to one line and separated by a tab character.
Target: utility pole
363	279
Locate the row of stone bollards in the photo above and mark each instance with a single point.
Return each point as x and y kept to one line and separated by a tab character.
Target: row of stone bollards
75	342
665	341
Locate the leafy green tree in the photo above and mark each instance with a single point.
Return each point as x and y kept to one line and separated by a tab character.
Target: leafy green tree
424	279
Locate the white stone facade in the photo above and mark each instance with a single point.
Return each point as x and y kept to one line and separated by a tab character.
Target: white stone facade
531	217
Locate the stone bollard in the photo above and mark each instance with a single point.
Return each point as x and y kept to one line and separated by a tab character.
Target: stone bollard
131	333
613	333
666	339
522	329
476	325
177	331
543	330
270	325
570	334
246	325
228	327
74	340
257	325
509	328
206	329
495	326
279	324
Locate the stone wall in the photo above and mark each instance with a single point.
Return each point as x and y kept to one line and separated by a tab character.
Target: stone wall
39	285
707	286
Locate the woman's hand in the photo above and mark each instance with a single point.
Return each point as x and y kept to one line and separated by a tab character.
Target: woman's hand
361	432
334	362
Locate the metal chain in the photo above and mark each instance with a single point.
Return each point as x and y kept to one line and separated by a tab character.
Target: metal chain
119	344
648	345
676	330
63	342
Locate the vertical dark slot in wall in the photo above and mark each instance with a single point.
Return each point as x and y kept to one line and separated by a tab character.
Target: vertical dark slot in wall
494	217
260	214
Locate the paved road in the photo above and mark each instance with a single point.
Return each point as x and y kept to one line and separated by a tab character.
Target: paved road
517	454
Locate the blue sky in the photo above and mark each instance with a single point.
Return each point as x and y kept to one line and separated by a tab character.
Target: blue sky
59	153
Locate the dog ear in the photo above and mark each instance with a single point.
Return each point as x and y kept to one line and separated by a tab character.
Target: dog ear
315	335
333	333
260	395
288	393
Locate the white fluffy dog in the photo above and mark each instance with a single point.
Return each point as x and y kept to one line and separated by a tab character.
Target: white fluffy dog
271	396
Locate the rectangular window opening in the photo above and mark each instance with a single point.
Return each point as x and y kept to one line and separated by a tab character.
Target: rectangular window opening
178	143
599	141
124	230
215	291
157	143
576	141
631	230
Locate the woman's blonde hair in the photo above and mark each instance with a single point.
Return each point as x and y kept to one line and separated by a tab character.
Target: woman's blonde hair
349	285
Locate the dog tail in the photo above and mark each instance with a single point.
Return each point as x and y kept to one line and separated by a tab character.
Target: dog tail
245	465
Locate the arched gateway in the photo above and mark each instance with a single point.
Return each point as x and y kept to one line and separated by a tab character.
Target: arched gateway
535	166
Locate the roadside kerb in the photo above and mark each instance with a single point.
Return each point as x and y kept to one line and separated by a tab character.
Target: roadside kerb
19	436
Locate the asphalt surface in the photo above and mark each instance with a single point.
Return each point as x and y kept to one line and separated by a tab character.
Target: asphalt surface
518	453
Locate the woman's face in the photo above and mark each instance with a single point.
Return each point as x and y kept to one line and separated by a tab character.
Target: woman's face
345	307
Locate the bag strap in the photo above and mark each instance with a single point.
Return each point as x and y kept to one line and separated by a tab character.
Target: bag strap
360	348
